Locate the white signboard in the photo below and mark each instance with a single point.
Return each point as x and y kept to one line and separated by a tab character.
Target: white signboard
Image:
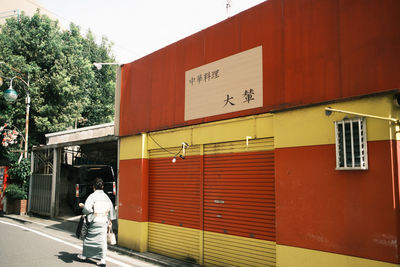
227	85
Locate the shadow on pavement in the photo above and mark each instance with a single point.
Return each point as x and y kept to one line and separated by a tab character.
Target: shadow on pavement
71	257
67	257
69	226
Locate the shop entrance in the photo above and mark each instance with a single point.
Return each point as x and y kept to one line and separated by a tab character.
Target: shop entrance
217	206
53	181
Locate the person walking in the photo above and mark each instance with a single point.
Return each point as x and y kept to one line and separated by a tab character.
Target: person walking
99	209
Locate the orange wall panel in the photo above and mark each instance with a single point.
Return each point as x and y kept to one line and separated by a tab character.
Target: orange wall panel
370	41
190	55
222	40
174	191
239	194
313	51
133	189
345	212
258	29
135	97
163	69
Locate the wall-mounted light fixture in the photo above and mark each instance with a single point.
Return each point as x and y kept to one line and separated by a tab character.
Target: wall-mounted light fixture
183	149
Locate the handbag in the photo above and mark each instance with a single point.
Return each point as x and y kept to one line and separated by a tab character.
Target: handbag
83	226
111	236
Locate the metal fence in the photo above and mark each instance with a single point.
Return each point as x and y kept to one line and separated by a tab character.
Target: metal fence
41	194
42	183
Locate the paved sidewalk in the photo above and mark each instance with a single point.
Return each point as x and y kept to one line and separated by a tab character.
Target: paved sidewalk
69	225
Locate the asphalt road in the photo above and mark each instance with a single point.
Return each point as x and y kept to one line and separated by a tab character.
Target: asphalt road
31	244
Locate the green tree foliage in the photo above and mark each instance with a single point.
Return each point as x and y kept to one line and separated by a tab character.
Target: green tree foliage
14	192
18	181
66	90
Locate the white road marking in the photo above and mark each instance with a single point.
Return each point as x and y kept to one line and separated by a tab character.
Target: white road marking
69	244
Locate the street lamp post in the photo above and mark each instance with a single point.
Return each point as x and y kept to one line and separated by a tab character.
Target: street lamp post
10	95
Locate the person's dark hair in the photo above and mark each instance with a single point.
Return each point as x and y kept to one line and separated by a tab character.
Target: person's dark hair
98	184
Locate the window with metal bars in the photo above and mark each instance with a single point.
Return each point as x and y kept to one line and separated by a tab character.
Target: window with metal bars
351	144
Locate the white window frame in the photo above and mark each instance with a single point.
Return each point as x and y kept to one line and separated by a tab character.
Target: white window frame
359	159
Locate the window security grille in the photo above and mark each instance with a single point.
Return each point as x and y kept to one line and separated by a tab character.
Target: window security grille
351	144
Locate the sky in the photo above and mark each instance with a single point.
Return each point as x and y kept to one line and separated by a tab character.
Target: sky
140	27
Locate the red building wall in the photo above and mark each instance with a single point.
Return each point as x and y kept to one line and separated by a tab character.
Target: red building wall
133	190
313	51
356	212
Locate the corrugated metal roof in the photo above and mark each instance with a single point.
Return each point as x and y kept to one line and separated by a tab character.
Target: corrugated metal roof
96	131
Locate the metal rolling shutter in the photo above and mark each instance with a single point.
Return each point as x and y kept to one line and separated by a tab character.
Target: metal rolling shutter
175	206
239	204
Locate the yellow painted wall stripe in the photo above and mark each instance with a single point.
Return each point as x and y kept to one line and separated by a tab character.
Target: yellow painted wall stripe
170	138
260	126
228	250
250	145
171	151
254	127
299	257
133	234
219	249
299	127
310	126
177	242
131	147
130	234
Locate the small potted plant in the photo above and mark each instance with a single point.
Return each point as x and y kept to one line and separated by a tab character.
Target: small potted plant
17	187
16	199
16	191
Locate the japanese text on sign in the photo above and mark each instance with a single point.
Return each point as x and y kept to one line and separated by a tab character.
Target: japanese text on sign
204	77
227	85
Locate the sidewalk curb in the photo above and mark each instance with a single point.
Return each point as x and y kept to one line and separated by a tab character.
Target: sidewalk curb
144	256
153	258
